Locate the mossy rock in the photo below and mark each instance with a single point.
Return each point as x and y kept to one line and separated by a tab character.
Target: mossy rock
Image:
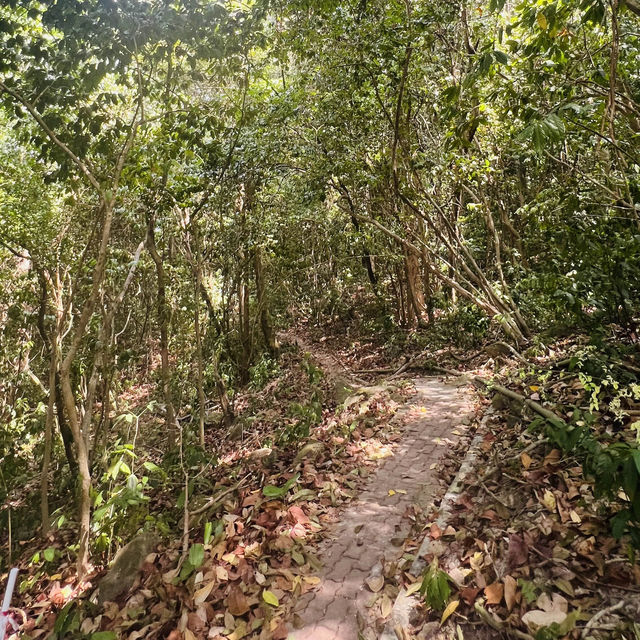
342	389
310	451
126	565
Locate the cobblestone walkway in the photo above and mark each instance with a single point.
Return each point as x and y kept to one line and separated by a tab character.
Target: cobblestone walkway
364	539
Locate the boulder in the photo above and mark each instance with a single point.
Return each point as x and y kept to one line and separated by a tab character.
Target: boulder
126	565
310	451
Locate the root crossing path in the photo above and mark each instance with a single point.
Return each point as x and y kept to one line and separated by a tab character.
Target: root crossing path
372	528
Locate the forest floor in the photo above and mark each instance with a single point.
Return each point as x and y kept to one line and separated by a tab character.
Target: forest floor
523	536
310	525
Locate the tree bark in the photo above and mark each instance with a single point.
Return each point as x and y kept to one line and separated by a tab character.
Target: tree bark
163	323
263	305
46	458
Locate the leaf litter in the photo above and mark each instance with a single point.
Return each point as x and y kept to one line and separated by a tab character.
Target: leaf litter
263	535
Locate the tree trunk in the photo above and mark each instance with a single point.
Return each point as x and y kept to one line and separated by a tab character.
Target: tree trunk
163	322
263	307
46	458
244	325
414	286
198	336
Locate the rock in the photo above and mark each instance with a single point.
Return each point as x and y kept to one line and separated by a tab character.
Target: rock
341	390
310	451
128	561
429	631
213	418
260	454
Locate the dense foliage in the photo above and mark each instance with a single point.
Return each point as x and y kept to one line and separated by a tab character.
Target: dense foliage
180	180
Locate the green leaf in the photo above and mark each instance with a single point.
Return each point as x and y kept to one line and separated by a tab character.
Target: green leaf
435	587
208	528
542	21
49	554
196	555
636	459
501	57
104	635
528	590
271	491
270	598
152	467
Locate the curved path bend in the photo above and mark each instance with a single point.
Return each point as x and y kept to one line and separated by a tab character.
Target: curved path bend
364	538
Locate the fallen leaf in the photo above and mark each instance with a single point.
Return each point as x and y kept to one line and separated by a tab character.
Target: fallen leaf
451	607
518	552
552	458
494	593
297	515
537	618
202	594
510	586
526	460
237	602
375	583
222	574
469	594
549	500
386	606
270	598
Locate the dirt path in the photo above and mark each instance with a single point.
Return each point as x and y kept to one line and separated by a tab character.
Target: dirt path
369	528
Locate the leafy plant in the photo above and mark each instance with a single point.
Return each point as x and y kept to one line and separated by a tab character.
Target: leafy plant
435	586
271	491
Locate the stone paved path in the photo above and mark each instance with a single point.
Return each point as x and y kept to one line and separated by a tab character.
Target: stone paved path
364	538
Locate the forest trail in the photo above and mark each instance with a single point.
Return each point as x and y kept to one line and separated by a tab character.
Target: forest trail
372	529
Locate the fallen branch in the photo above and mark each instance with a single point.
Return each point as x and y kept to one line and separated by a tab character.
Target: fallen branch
408	363
528	449
217	499
600	614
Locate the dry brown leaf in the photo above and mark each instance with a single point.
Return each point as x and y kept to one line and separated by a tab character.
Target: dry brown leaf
386	606
510	587
469	594
494	593
237	602
202	594
375	583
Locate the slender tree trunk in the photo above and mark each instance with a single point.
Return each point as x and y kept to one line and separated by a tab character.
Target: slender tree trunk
244	324
198	336
263	306
163	322
414	289
48	429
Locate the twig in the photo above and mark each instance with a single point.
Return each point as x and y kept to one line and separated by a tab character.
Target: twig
494	496
601	614
499	625
218	498
493	470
